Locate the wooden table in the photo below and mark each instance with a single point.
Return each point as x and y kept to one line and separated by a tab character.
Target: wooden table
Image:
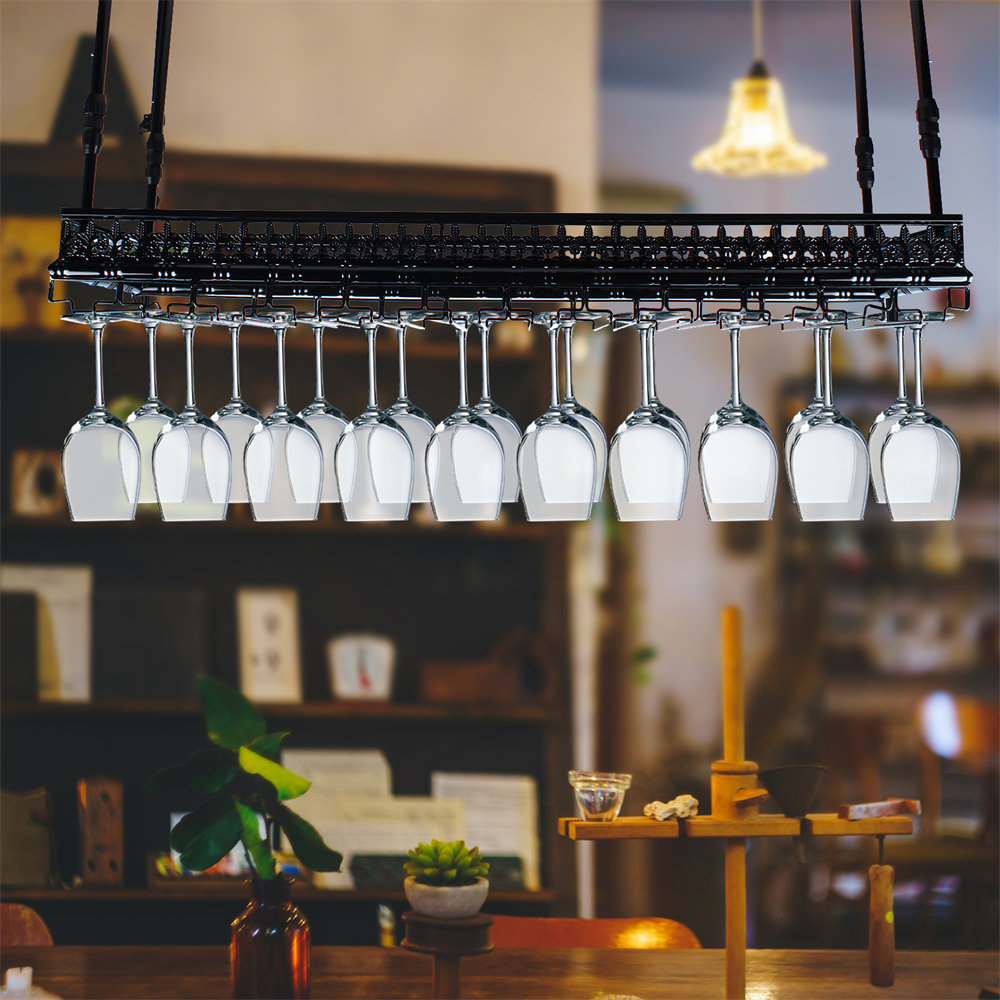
546	974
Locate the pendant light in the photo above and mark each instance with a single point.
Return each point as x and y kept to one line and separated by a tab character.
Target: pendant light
756	138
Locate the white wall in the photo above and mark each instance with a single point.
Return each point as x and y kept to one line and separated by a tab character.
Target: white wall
461	82
650	136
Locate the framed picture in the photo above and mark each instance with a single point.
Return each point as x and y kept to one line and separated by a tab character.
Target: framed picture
268	625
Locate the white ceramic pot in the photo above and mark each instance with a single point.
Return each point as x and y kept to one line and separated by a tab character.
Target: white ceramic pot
446	902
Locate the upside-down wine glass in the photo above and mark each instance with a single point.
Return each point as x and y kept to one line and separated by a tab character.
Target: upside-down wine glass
324	419
921	463
192	463
100	456
648	464
737	458
237	419
146	421
504	425
284	459
796	423
582	415
668	414
465	456
828	466
556	460
413	422
374	458
888	418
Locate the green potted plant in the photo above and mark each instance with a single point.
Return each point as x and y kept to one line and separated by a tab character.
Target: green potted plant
245	784
446	879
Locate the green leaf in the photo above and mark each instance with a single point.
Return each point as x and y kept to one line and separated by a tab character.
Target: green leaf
289	785
232	721
643	654
268	745
307	844
260	854
204	771
207	834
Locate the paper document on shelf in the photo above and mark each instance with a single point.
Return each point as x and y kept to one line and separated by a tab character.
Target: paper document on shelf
64	616
344	773
501	815
373	825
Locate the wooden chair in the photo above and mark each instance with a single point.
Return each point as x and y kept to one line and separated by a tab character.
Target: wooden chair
21	926
604	932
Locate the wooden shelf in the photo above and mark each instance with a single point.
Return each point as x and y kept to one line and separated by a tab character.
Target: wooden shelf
327	523
237	892
818	824
373	711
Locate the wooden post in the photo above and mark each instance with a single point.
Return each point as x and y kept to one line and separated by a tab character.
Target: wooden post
447	981
733	749
728	776
881	926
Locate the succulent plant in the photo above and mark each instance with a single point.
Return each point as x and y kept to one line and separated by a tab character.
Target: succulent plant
446	863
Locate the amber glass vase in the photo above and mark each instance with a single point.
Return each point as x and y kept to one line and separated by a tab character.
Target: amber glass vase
269	948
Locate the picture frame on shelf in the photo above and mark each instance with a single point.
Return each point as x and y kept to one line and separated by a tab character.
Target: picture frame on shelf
270	657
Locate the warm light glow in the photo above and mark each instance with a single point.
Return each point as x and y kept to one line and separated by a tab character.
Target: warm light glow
756	138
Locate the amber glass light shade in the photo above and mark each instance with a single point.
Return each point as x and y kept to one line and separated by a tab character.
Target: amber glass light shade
756	139
269	947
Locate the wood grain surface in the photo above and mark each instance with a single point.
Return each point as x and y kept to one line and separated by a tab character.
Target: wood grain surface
543	973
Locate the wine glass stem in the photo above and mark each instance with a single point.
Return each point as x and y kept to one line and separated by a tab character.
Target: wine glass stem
818	362
463	381
484	330
568	334
554	363
401	345
734	347
98	367
234	340
151	331
370	329
827	375
644	339
189	365
319	362
918	369
900	366
279	334
651	363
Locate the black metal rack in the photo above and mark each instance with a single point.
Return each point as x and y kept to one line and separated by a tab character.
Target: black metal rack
579	259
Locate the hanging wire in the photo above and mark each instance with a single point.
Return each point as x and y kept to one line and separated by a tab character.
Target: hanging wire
758	31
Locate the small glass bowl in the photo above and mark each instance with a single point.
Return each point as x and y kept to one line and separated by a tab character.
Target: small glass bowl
599	795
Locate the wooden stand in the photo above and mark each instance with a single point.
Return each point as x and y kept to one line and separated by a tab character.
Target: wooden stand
735	817
446	941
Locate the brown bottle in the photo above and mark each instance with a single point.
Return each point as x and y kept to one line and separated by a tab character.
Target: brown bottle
269	948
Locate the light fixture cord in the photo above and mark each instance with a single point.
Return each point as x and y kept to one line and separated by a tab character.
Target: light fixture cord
758	31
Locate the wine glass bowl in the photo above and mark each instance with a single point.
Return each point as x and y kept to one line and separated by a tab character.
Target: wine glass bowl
556	460
737	457
921	461
410	419
323	418
587	420
283	458
236	419
192	461
828	457
374	458
147	420
465	457
648	463
101	460
500	421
